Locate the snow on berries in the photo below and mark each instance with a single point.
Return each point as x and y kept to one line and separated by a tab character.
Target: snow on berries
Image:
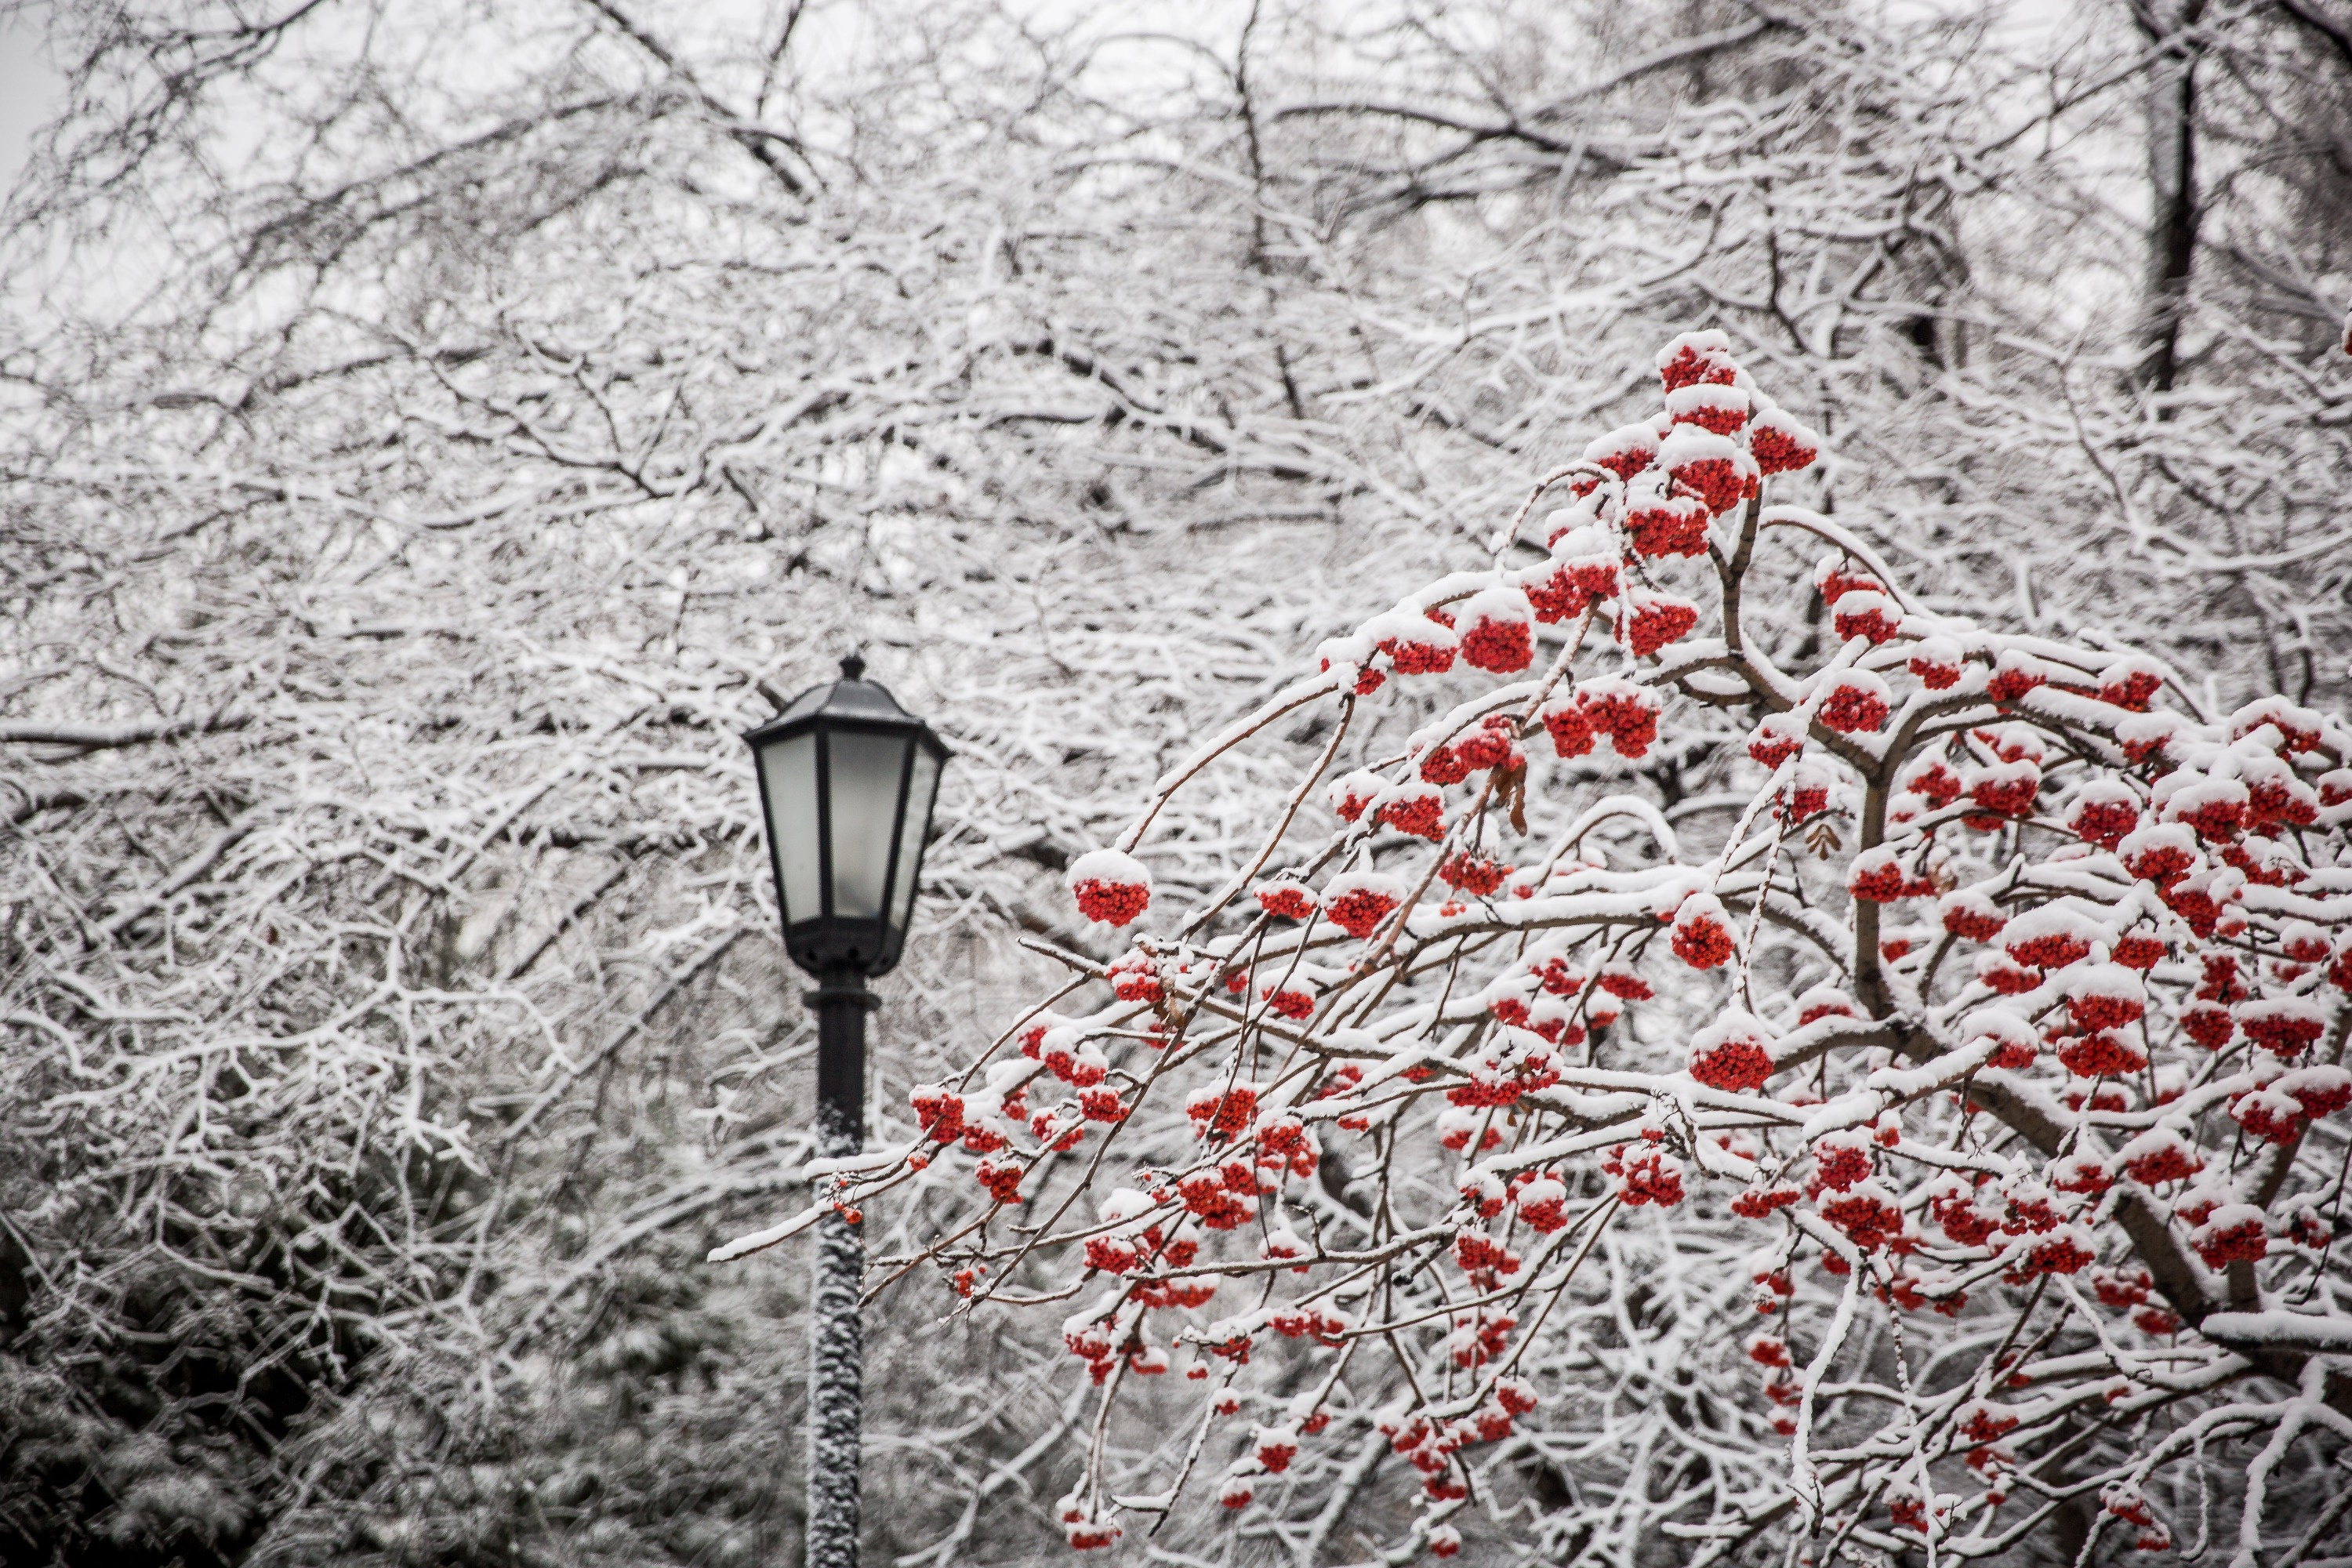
1625	451
1711	467
1867	1212
1072	1058
2284	1027
1476	874
1358	901
1222	1111
1971	914
2051	937
1733	1053
2211	807
1564	719
2296	728
1664	518
2005	1040
1083	1528
1649	1175
2139	948
1493	744
2158	1155
1698	358
1842	1159
1996	972
1651	620
2130	683
1552	593
1415	644
1834	577
1621	710
2014	673
1857	704
1496	631
2160	853
2103	812
2276	797
1933	783
1876	876
1352	795
1777	737
2233	1232
2269	1113
1417	809
2301	941
939	1112
1937	662
2104	996
2319	1091
2102	1053
1808	793
1110	888
1779	444
1711	406
2063	1250
2005	789
1820	1002
1543	1204
1589	562
1134	976
1869	616
1285	899
1276	1446
1702	936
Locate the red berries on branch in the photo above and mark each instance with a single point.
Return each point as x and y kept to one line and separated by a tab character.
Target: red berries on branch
1702	936
1357	902
1733	1053
1857	704
1111	887
1497	631
1654	620
1934	888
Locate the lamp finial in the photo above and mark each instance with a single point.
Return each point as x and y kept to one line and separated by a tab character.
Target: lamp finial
853	666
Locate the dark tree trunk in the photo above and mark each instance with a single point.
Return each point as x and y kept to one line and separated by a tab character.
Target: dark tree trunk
2172	183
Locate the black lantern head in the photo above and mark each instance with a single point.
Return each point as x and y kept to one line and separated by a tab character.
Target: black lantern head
846	780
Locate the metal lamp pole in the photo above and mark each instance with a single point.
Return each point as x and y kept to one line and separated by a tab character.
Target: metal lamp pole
837	1334
846	782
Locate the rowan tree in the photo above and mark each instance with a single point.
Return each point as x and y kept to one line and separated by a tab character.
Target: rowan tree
1973	1080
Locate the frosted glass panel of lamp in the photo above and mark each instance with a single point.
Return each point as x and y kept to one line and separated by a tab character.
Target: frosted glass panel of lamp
918	819
788	772
863	794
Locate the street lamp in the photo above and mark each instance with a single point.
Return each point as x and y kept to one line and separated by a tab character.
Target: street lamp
846	780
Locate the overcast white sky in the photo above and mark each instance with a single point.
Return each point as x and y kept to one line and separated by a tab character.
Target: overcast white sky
28	92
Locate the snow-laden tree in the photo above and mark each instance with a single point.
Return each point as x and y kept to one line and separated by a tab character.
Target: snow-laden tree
433	430
389	990
1949	1131
1936	238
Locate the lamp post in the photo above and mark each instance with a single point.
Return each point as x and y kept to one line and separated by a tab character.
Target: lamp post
846	780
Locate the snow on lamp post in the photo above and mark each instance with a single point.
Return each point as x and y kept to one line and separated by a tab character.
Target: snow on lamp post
846	782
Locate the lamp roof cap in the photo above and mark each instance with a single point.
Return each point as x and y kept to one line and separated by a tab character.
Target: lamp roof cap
852	697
